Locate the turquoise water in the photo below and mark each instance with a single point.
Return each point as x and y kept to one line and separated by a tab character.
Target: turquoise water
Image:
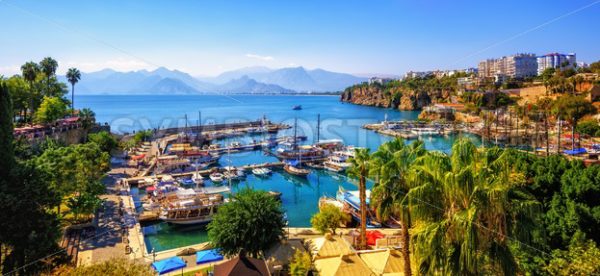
299	196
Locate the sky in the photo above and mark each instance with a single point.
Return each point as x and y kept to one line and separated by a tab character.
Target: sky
205	38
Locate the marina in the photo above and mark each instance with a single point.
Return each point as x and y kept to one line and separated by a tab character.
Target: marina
324	157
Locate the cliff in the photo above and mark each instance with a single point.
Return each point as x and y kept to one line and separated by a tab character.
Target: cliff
393	97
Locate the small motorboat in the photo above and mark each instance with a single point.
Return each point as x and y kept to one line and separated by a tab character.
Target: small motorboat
297	107
276	195
216	177
261	171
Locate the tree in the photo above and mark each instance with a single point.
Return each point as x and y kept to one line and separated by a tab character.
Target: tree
30	71
360	166
74	169
329	218
73	76
301	263
589	127
24	193
106	141
582	258
50	110
18	90
467	205
87	117
390	166
6	132
112	267
573	108
48	66
83	204
250	224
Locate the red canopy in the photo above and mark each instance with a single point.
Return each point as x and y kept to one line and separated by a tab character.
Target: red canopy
373	236
138	157
150	189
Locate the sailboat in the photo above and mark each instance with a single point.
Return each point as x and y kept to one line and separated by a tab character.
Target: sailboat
294	167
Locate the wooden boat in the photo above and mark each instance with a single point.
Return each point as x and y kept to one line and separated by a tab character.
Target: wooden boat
197	210
296	170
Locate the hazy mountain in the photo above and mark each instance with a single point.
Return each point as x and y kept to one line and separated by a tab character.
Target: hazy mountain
159	81
247	85
246	80
239	73
167	86
294	78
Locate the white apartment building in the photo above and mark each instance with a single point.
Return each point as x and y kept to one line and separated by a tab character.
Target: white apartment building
555	60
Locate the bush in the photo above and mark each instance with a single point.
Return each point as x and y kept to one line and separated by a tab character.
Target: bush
300	264
328	219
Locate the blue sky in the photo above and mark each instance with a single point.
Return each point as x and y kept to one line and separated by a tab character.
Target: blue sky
209	37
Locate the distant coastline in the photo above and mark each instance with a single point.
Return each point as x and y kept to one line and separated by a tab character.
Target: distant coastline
216	94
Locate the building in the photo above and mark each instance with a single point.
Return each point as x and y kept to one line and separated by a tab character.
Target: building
555	60
515	66
413	74
381	81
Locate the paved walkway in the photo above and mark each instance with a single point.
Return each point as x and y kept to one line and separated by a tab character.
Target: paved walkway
107	242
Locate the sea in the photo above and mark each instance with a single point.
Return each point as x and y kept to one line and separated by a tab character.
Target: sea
338	120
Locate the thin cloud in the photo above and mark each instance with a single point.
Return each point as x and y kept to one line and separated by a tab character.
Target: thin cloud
263	58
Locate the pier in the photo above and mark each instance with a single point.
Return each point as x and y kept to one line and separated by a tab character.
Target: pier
137	180
221	127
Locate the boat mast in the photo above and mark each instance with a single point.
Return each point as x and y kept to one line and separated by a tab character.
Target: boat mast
318	127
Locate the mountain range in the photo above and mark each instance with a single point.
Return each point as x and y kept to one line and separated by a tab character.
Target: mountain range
249	80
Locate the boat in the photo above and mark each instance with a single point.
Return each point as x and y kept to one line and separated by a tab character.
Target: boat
197	210
338	161
261	171
351	201
291	169
294	167
217	177
197	178
425	131
297	107
276	195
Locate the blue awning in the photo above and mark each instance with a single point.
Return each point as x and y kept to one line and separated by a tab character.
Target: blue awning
575	151
168	265
208	256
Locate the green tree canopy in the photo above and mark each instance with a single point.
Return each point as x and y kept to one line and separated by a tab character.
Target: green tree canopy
250	224
51	109
301	263
329	218
572	107
456	199
106	141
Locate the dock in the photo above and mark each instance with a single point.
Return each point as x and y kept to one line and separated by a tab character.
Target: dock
136	180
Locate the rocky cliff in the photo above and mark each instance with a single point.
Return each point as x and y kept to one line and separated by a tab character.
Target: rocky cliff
394	97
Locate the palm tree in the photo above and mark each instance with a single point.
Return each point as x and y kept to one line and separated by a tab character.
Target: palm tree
87	118
73	76
48	66
467	207
30	70
360	167
390	165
